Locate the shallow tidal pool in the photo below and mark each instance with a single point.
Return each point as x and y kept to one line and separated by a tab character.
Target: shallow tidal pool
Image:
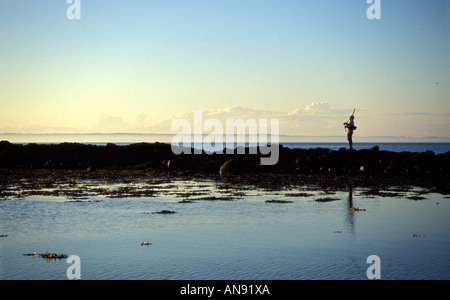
214	231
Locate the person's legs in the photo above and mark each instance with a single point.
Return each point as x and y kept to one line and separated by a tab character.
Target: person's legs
349	139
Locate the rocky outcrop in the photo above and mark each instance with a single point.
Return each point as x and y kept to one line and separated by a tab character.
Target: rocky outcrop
159	156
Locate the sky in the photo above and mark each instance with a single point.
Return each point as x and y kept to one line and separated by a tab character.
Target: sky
135	66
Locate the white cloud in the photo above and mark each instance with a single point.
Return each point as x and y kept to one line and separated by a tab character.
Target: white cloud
318	107
319	118
106	123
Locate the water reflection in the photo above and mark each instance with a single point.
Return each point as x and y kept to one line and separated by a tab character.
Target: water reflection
350	215
100	232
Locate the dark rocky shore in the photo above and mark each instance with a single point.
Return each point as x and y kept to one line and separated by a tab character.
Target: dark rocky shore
295	166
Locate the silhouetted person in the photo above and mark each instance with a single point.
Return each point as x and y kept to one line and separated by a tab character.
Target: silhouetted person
349	127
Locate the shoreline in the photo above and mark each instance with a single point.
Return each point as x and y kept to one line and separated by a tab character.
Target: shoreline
339	169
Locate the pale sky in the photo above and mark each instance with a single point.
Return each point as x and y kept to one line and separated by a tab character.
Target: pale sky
135	66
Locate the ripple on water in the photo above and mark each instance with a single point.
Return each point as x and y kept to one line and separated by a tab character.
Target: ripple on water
242	239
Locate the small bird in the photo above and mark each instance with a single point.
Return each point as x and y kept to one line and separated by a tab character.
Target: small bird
145	244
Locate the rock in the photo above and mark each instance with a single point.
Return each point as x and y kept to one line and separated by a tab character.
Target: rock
229	167
326	199
186	201
165	212
299	195
5	172
278	201
415	198
356	209
48	255
159	157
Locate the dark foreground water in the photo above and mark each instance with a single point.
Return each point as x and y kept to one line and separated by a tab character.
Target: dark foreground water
210	238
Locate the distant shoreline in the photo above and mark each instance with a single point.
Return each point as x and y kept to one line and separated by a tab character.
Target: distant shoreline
121	137
436	147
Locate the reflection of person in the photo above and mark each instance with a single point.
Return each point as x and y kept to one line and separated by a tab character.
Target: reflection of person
350	198
350	126
350	217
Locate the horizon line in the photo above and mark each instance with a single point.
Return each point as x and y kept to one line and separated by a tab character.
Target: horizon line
441	138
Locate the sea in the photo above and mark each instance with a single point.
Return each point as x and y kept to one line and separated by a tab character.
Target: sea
392	144
222	231
437	148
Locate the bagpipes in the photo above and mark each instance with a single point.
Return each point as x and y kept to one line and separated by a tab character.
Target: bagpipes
349	126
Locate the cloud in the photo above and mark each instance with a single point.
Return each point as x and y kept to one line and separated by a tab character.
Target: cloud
318	118
141	119
109	123
424	114
236	112
232	112
315	118
323	106
37	128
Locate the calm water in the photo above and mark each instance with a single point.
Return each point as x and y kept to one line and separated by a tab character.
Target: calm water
334	143
247	238
437	148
